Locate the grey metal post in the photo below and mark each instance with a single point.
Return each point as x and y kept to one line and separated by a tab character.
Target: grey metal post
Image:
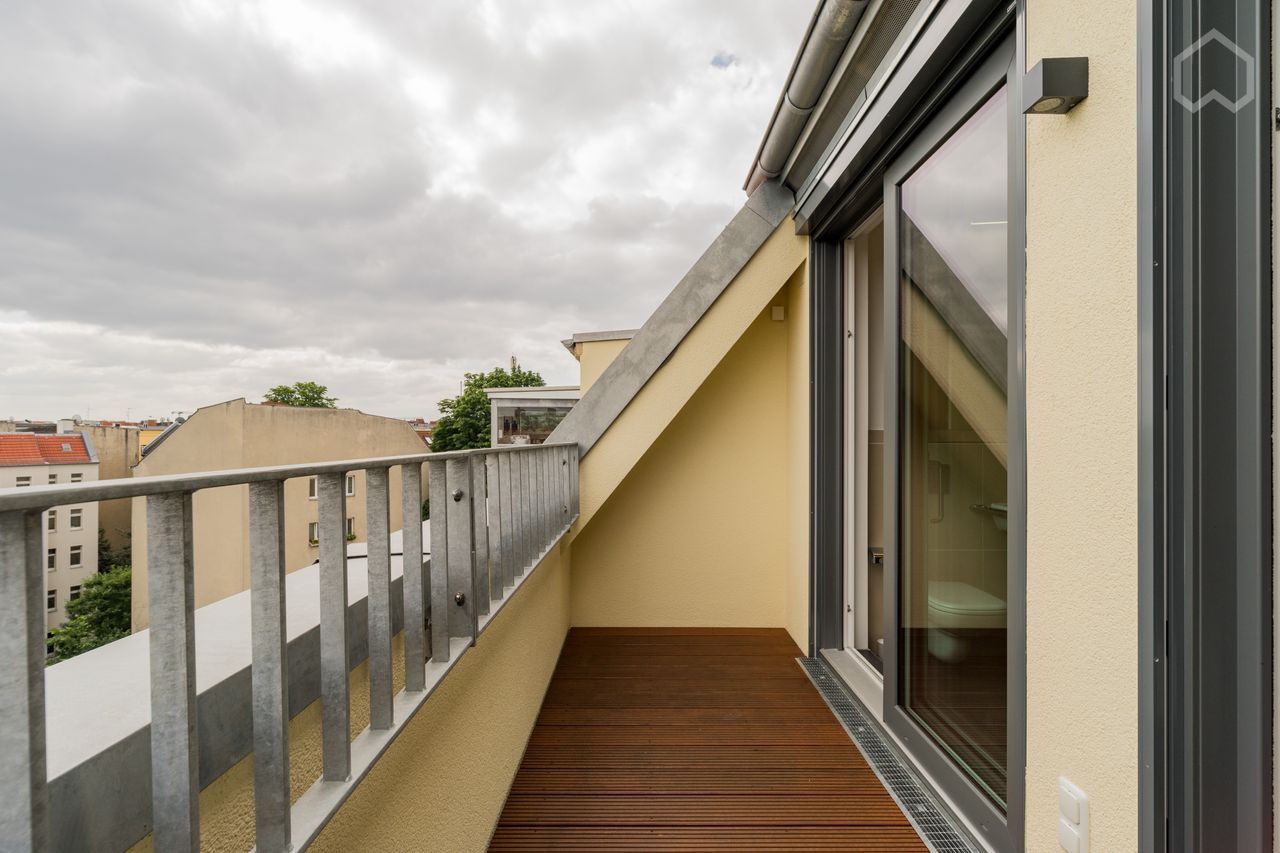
505	538
175	777
561	489
439	565
458	555
574	461
480	530
415	678
377	502
525	503
544	501
23	793
518	493
334	691
493	525
270	667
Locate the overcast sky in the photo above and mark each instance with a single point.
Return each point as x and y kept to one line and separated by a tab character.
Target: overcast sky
201	199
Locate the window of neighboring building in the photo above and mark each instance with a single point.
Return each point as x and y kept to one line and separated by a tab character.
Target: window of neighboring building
53	478
311	488
76	478
51	559
75	555
313	532
51	600
76	523
351	528
23	482
74	594
53	520
351	484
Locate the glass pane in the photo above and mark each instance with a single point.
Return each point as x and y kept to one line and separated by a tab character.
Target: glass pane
953	445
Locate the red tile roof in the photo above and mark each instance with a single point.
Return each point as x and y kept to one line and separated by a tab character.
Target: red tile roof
24	448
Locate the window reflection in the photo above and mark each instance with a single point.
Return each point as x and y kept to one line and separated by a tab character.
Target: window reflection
953	445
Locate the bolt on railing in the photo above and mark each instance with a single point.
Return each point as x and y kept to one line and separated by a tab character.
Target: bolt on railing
494	514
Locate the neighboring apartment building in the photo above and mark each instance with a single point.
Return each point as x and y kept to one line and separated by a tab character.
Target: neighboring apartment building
528	415
595	351
118	449
70	533
237	434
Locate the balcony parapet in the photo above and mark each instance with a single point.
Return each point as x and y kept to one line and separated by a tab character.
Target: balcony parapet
225	681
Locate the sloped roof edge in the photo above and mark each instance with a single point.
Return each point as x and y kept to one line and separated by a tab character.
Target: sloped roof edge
658	338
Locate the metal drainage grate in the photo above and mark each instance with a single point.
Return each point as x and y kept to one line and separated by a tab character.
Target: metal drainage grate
935	823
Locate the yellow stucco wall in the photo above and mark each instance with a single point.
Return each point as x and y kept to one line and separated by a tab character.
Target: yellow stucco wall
442	784
695	500
593	358
697	532
651	411
797	613
236	434
1082	654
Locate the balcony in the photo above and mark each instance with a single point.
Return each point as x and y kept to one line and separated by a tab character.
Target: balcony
270	711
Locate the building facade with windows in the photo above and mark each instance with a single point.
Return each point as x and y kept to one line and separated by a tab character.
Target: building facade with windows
238	434
69	534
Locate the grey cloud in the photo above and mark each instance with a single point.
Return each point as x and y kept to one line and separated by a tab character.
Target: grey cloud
171	177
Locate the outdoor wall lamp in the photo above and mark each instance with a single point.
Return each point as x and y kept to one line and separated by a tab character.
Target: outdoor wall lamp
1055	85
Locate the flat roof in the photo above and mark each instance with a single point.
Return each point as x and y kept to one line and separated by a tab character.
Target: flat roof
591	337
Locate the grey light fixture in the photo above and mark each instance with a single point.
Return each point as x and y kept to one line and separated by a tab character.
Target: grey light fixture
1055	86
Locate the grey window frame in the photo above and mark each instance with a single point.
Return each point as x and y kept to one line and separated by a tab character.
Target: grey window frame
1205	181
999	69
981	42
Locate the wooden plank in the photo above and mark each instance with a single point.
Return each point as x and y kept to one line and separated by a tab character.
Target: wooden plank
688	740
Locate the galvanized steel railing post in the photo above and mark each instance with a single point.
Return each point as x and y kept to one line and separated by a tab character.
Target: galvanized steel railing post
480	531
377	502
175	753
334	689
441	605
415	677
493	525
24	822
270	666
458	555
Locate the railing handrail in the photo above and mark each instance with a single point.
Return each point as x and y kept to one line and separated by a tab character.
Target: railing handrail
497	512
46	496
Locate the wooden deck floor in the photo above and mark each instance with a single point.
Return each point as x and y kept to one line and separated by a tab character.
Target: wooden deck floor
688	740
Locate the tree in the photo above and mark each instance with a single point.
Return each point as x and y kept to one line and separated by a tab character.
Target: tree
108	557
308	395
464	420
101	614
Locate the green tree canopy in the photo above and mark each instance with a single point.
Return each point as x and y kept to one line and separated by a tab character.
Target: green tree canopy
101	614
464	420
308	395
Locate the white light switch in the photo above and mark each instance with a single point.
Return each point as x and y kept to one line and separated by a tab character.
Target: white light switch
1073	817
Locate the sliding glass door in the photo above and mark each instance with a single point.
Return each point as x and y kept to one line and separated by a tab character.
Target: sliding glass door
954	482
953	292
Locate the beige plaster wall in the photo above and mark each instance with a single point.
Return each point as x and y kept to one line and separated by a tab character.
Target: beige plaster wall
697	533
593	358
1082	715
236	434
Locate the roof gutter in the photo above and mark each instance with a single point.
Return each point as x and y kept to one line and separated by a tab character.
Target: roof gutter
829	32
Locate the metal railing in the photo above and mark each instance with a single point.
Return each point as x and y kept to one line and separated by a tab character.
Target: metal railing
494	514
